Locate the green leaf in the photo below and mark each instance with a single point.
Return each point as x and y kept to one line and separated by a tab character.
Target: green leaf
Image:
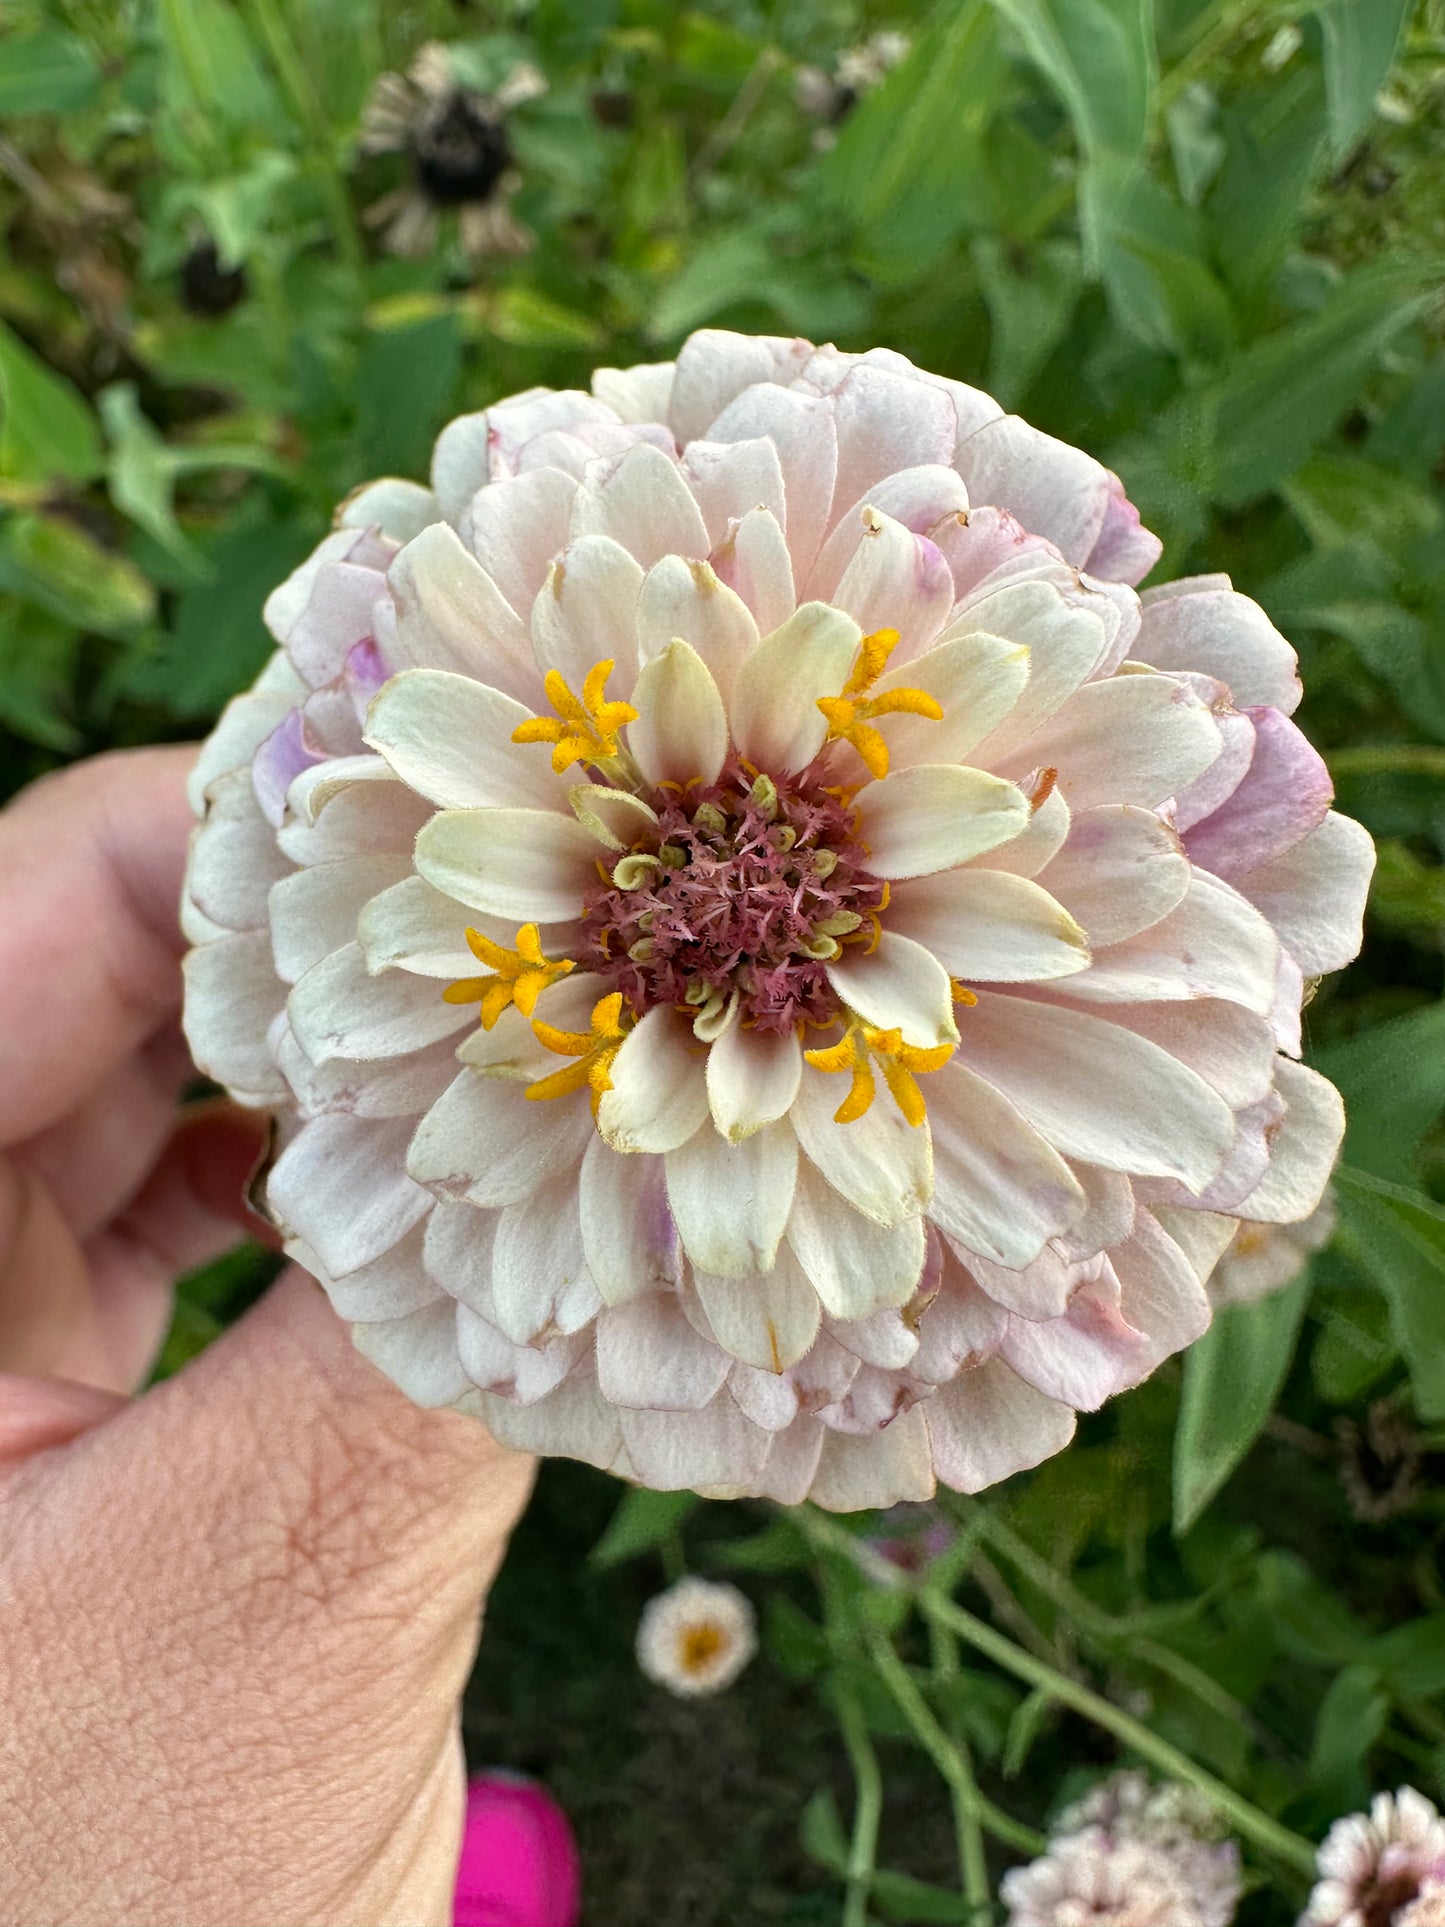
1195	142
1031	299
1412	1657
406	379
1392	1079
901	1897
1360	41
57	564
1275	146
1024	1728
1232	1377
796	1643
37	671
1397	1238
1351	1718
641	1522
46	431
212	72
50	72
821	1832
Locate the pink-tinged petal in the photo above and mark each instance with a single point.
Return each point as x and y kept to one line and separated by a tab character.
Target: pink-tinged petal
356	806
1083	1357
659	1089
983	540
920	498
766	1318
1314	894
339	1010
766	1398
282	608
1285	794
792	1462
339	613
232	996
575	1422
451	615
457	1242
715	366
896	580
988	1424
776	722
1231	1048
1202	623
802	429
875	1401
515	424
485	1141
399	509
245	723
650	1359
998	1186
824	1375
1159	1294
494	1363
989	927
1213	944
571	449
975	679
586	613
687	601
956	1331
1304	1149
234	858
1125	551
315	912
685	1451
391	1286
729	478
1040	1289
378	1087
540	1280
880	1163
855	1265
861	1474
753	560
641	500
514	532
933	817
526	866
341	1184
450	738
1065	639
1120	870
281	758
460	463
1132	739
1053	489
883	1338
1107	1215
1098	1092
1224	775
730	1202
680	734
628	1231
899	986
419	1354
752	1078
640	394
1203	1236
887	421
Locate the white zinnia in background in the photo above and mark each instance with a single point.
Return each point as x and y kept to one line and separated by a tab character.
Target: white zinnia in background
1385	1868
696	1637
887	929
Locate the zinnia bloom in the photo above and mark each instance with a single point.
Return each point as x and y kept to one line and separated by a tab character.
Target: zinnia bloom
776	970
696	1637
1090	1880
1264	1258
1382	1869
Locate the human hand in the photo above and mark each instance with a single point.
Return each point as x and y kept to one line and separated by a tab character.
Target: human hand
238	1612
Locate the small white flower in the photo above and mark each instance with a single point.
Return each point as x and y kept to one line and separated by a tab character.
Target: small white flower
1382	1869
1090	1879
1174	1823
696	1637
1264	1258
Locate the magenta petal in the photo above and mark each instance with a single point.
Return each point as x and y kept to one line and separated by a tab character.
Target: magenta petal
1125	550
519	1865
1284	794
279	761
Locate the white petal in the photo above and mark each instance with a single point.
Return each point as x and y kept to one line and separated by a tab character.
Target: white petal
341	1184
586	613
1229	1047
540	1279
392	1286
641	500
730	1202
988	1424
920	497
659	1090
1041	839
887	421
526	866
525	1373
716	365
681	731
450	738
855	1265
316	911
729	478
880	1163
640	394
1201	623
244	725
1083	1357
934	816
896	580
1120	870
418	928
486	1141
1304	1149
1131	739
364	818
883	1338
339	1009
574	1422
998	1186
649	1358
627	1229
512	1049
859	1474
682	599
515	530
801	428
234	857
1160	1295
975	679
451	615
1314	894
418	1353
1214	944
459	463
1064	635
752	1078
1096	1091
754	561
901	986
282	608
776	722
399	509
1054	489
232	995
989	927
672	1452
767	1319
457	1252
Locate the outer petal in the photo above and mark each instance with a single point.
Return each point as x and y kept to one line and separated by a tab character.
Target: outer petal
767	1319
1284	794
659	1090
486	1141
715	366
855	1265
1314	894
628	1232
515	531
730	1202
776	722
649	1358
419	1353
342	1185
1304	1149
988	1424
935	816
681	731
339	1010
522	865
855	1474
998	1186
641	500
1202	623
232	995
540	1280
802	429
714	1447
1214	944
1120	870
1130	739
1054	489
989	927
315	911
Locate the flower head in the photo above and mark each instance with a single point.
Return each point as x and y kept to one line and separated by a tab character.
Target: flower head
696	1637
1264	1258
777	970
1385	1868
1089	1879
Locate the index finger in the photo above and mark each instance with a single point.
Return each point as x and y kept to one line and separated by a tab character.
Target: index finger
91	865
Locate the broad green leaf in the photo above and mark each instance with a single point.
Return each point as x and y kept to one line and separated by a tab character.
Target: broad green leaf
903	1898
212	72
643	1521
57	564
406	379
38	654
1232	1377
1031	299
1412	1657
1411	432
1195	142
1392	1078
1275	146
821	1832
50	72
1397	1238
1360	41
46	430
1351	1718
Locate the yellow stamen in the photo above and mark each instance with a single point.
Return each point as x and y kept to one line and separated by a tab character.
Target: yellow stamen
962	994
521	975
584	730
594	1051
851	715
899	1062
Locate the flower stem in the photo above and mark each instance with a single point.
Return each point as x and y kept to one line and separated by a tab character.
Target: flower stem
1267	1834
867	1809
271	26
972	1864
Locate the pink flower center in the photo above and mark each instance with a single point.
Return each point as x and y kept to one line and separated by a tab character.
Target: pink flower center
752	887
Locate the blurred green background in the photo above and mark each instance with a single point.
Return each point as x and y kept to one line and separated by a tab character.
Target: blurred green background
1204	239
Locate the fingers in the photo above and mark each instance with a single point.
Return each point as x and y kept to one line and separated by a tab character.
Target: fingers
36	1413
91	863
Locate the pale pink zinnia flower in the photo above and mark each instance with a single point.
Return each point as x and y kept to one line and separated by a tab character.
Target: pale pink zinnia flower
1385	1868
1089	1879
887	929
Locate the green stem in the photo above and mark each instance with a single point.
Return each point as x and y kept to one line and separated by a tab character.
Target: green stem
271	26
867	1809
947	1756
1247	1819
1388	759
972	1863
1226	22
